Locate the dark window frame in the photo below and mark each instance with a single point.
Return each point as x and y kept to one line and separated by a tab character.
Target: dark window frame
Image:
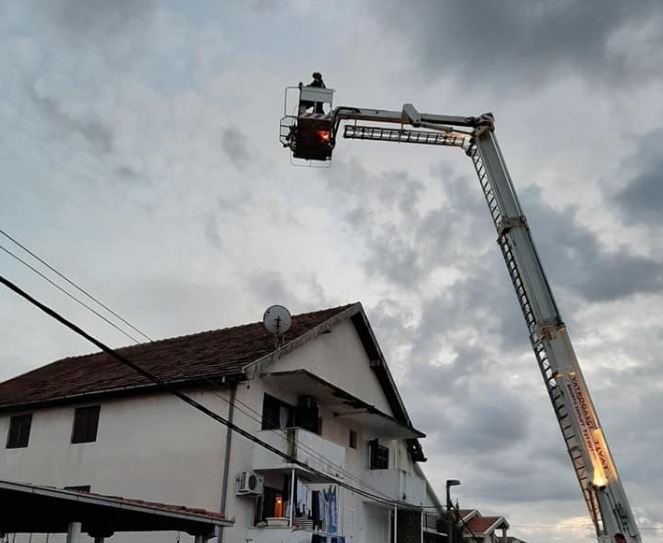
18	434
378	455
352	439
271	420
86	424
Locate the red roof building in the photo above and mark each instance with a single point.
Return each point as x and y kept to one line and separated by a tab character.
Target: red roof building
480	529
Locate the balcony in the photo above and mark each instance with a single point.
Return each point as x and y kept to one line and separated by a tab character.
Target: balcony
305	446
397	484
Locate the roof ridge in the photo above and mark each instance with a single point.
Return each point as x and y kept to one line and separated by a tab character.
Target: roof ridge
155	342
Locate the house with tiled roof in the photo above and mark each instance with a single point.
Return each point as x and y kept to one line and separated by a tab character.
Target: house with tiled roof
477	528
329	452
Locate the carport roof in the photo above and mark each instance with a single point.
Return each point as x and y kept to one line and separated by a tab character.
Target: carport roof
29	508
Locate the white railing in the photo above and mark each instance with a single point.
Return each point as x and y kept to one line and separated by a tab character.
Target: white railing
305	446
397	484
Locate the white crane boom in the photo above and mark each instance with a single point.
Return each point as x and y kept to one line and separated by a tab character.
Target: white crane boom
590	456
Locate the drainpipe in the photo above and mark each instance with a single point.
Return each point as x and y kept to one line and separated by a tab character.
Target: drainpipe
395	524
292	496
226	457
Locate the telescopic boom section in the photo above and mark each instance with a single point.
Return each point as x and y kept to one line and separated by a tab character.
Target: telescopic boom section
592	462
591	459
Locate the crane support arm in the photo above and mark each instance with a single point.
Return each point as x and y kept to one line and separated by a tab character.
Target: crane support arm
590	456
407	116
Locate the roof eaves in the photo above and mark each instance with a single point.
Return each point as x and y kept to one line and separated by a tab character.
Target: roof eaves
386	379
492	527
118	391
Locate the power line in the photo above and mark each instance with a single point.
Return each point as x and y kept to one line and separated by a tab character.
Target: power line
301	445
312	452
193	403
67	293
73	284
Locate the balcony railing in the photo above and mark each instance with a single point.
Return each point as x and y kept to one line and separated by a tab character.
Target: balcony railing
397	484
307	447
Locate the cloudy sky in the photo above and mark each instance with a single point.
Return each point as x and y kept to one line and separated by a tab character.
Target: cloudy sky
139	155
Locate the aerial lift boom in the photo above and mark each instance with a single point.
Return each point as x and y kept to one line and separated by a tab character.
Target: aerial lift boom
592	462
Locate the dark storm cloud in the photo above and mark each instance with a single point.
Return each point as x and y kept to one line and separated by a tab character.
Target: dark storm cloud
404	244
297	294
641	201
520	43
236	146
271	287
490	424
83	19
574	258
523	478
212	232
95	131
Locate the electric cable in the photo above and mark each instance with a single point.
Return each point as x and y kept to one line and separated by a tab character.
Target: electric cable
164	385
67	293
73	284
284	432
312	452
301	445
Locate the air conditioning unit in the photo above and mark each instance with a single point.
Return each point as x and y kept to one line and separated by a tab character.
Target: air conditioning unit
249	484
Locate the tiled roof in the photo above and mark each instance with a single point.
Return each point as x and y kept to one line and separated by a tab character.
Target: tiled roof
480	525
464	513
98	513
187	358
167	507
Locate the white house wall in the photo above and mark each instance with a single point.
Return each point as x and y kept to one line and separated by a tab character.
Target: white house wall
339	358
149	443
151	447
155	447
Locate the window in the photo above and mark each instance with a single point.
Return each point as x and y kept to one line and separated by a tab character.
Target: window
273	502
352	442
276	414
19	431
308	415
378	455
86	422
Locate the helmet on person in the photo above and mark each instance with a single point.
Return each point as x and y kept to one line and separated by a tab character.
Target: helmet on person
317	75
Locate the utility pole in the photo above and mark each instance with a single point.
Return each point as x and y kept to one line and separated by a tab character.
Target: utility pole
450	516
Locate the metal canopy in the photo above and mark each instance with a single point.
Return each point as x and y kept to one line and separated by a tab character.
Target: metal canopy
302	382
30	508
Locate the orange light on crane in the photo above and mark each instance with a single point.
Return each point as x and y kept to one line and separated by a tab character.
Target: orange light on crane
599	478
323	135
604	470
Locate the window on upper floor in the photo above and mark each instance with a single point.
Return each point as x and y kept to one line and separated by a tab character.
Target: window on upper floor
352	439
86	422
19	431
307	415
378	455
276	414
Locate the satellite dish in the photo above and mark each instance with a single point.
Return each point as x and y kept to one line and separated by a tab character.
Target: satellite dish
277	320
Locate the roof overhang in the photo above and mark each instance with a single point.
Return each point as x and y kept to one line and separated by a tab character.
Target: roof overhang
341	403
28	508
